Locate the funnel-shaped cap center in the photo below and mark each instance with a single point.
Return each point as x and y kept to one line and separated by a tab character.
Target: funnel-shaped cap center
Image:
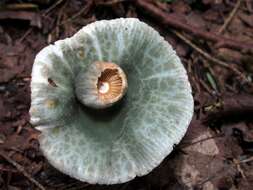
101	85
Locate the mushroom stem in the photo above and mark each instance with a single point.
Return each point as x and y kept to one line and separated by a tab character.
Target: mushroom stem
100	85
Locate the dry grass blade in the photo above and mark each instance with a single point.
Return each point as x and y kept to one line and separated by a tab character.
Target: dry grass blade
230	17
53	6
22	170
170	20
84	11
250	159
108	3
210	58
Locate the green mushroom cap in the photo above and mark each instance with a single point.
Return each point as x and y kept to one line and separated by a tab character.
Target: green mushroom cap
110	144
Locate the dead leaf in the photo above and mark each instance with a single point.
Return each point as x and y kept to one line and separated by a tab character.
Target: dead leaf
34	18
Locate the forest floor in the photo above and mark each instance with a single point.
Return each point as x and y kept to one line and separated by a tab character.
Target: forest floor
214	39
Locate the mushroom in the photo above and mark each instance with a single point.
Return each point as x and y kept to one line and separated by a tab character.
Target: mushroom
111	101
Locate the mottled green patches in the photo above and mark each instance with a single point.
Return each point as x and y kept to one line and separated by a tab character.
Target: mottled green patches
131	138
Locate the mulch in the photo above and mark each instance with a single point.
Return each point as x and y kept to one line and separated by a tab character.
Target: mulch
214	40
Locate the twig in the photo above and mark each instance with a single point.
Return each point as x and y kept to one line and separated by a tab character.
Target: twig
84	10
170	20
21	6
109	3
58	20
233	108
215	175
224	169
246	160
52	7
28	32
230	17
201	140
206	87
210	58
239	168
22	170
249	6
25	35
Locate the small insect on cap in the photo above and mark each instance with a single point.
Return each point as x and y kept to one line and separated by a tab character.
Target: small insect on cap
111	101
